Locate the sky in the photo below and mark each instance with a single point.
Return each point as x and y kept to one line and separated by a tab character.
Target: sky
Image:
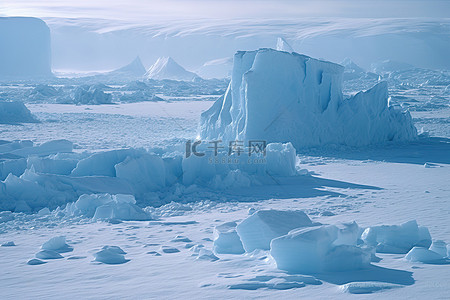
102	35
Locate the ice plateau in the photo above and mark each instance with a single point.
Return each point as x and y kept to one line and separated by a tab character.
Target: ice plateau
279	96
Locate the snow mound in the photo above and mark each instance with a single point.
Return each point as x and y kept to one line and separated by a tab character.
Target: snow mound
107	207
57	244
15	112
111	255
48	254
25	48
257	230
278	96
424	255
134	68
311	250
8	244
397	238
366	287
167	68
226	239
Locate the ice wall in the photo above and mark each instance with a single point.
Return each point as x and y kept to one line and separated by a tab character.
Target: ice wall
24	48
287	97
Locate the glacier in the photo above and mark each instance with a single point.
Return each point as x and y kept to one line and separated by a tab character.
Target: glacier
279	96
167	68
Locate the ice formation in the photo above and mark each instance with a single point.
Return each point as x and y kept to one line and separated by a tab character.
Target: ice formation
111	255
397	238
424	255
107	207
317	249
287	97
260	228
133	69
226	239
57	244
283	45
167	68
25	48
15	112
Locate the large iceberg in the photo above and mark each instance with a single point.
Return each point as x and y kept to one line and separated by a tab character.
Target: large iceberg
279	96
25	48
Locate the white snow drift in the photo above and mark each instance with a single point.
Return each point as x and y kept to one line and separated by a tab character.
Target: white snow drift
287	97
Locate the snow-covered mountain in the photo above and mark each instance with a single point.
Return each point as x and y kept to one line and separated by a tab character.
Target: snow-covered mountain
167	68
134	68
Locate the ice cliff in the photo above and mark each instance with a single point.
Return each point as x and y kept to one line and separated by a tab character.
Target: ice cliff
24	48
279	96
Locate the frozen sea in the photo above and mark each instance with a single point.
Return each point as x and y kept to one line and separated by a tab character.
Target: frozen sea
388	184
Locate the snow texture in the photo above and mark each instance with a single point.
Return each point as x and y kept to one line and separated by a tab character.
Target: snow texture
287	97
25	48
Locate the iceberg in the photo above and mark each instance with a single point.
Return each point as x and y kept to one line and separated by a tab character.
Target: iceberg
167	68
134	68
15	112
25	48
278	96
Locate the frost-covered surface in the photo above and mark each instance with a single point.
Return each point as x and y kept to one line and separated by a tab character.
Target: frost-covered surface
287	97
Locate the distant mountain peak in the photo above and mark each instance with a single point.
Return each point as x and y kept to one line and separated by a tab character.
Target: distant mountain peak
168	68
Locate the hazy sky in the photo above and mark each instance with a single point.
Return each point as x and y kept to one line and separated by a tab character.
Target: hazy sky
105	34
141	10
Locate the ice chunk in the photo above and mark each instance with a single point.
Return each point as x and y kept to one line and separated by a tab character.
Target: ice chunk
303	250
257	230
57	244
348	234
347	258
44	149
107	207
283	45
25	52
111	255
421	254
278	96
205	254
226	239
167	68
440	247
87	95
15	112
397	238
311	250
